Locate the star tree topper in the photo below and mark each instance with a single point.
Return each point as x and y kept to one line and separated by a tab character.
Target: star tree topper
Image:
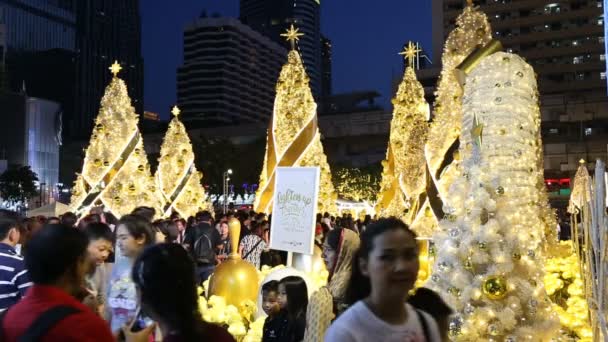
115	68
410	53
292	35
175	111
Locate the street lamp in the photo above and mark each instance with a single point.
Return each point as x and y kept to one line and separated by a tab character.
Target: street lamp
226	180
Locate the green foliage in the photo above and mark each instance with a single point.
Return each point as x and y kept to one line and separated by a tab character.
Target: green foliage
18	184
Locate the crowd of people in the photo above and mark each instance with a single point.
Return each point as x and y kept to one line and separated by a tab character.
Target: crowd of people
99	278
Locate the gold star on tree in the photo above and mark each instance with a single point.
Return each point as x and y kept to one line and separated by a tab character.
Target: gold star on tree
115	68
477	131
175	111
292	35
410	53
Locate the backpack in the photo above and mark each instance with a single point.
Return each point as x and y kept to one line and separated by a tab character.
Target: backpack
203	251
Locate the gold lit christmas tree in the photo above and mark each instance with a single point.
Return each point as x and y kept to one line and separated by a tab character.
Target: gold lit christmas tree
404	173
472	31
115	173
177	178
293	137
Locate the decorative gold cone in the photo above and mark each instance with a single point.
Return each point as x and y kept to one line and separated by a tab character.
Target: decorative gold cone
235	280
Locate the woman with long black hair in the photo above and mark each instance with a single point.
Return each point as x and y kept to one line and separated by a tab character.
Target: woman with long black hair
164	277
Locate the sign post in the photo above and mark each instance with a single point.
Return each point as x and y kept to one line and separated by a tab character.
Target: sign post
294	210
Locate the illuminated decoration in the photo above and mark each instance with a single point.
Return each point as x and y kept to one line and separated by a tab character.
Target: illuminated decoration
404	171
293	137
492	246
115	172
472	30
565	288
589	223
356	184
235	279
177	178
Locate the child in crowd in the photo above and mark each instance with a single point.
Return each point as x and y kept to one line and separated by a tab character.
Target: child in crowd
270	305
293	300
384	271
99	248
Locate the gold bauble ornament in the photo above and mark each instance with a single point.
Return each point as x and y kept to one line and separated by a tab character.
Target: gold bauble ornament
516	256
141	168
97	162
235	280
495	287
132	188
99	128
500	190
106	163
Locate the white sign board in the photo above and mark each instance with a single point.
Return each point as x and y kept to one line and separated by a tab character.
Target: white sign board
294	209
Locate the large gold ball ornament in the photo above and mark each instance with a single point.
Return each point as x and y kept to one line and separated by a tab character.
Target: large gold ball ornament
495	287
99	128
235	280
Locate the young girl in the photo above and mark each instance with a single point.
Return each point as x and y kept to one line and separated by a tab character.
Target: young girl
133	234
293	300
384	271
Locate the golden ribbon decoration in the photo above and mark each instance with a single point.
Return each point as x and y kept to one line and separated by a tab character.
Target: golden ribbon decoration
175	193
109	176
289	158
388	195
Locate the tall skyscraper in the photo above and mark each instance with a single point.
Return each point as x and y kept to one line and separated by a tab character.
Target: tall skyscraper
273	17
564	42
229	73
35	25
326	87
107	30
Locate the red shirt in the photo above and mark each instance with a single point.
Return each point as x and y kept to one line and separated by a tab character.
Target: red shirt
81	326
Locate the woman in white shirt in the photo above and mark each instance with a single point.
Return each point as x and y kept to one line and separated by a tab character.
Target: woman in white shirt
384	271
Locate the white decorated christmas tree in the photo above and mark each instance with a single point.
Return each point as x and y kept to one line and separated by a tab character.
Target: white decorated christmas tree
489	264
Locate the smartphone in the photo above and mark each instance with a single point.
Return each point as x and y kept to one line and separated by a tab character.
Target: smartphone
141	321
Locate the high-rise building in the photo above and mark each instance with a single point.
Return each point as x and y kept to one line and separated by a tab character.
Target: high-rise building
30	134
107	30
229	73
564	42
326	87
273	17
35	25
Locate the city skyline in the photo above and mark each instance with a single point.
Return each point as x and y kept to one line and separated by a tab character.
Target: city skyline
361	61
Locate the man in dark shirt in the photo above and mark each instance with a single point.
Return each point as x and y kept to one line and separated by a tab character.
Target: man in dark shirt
14	280
202	240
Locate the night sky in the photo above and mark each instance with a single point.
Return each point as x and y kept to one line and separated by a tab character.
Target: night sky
366	37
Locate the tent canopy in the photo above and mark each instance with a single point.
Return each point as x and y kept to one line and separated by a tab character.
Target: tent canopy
49	210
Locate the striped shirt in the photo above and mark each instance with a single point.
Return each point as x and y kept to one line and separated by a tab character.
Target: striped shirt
14	280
